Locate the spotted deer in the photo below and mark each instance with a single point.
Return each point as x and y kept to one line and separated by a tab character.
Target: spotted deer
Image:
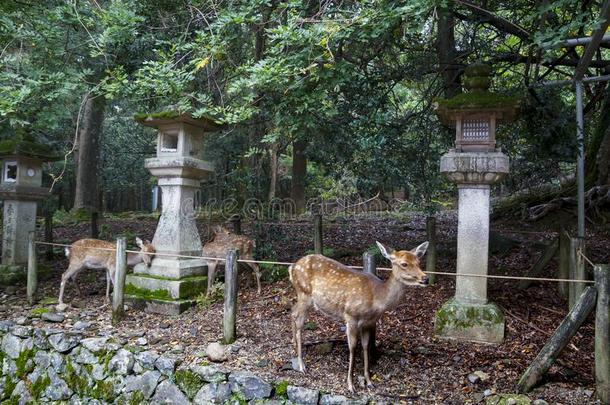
95	254
354	297
223	241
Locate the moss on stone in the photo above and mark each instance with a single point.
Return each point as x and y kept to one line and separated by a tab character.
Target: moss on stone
478	100
138	292
137	398
458	316
39	311
25	144
37	387
188	382
21	363
9	386
158	115
281	389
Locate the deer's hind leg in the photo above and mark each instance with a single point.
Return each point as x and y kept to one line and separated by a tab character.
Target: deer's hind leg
366	338
299	312
352	339
70	273
257	274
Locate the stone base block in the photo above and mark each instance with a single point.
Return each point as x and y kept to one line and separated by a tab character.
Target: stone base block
163	295
156	306
470	322
167	267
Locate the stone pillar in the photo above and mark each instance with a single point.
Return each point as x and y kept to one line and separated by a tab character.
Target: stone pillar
469	315
171	284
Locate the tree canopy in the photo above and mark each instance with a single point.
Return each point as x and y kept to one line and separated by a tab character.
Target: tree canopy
351	83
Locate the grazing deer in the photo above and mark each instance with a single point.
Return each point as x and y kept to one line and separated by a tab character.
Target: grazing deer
359	299
223	241
98	254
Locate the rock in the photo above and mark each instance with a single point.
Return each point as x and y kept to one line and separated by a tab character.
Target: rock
99	373
503	399
511	401
457	359
588	393
122	362
166	365
147	359
487	393
42	359
216	352
21	331
540	402
22	394
94	345
211	373
214	393
249	385
329	399
57	362
84	356
9	368
142	341
40	340
146	383
63	342
5	326
482	375
473	378
177	349
11	345
53	317
168	393
82	325
304	396
22	320
57	390
164	325
262	363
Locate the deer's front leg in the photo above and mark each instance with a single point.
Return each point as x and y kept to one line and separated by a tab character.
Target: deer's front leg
298	317
352	339
366	338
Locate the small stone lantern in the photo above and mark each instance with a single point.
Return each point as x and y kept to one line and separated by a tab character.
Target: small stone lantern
474	165
171	284
20	188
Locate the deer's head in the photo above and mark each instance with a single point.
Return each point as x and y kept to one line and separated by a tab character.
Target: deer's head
147	251
405	263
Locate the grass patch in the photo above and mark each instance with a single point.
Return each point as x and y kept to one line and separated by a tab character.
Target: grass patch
216	295
39	311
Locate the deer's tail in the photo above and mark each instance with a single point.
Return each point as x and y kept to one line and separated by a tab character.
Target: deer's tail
67	252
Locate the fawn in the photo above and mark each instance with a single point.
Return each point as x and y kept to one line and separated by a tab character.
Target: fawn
98	254
357	298
223	241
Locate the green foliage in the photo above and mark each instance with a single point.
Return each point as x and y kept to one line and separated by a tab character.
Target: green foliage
188	382
216	295
39	311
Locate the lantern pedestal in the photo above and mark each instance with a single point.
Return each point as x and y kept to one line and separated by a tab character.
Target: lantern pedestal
171	284
469	316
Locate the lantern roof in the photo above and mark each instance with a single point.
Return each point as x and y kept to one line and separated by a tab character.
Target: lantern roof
477	98
155	120
24	144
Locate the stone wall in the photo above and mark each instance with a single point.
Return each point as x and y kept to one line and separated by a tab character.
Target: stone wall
51	365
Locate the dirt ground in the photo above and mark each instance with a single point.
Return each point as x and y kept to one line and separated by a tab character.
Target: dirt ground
413	366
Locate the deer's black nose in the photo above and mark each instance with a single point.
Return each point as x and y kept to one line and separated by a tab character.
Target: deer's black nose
425	280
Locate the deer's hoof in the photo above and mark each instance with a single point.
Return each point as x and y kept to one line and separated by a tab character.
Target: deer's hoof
61	307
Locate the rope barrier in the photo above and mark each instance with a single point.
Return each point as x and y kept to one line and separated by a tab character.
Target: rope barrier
585	257
352	267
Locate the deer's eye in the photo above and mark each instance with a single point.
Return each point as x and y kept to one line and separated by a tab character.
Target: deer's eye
405	264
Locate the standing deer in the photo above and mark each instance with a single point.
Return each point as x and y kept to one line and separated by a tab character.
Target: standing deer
98	254
357	298
223	241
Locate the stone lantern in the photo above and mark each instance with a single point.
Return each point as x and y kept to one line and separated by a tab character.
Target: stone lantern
20	188
171	284
474	165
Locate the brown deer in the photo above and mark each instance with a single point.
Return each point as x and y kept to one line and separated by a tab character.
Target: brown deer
359	299
98	254
223	241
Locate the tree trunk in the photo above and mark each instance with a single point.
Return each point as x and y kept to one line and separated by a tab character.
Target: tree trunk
299	173
597	156
273	163
89	142
447	55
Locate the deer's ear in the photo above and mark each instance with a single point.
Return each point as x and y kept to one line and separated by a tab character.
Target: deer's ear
387	252
139	242
146	242
421	249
